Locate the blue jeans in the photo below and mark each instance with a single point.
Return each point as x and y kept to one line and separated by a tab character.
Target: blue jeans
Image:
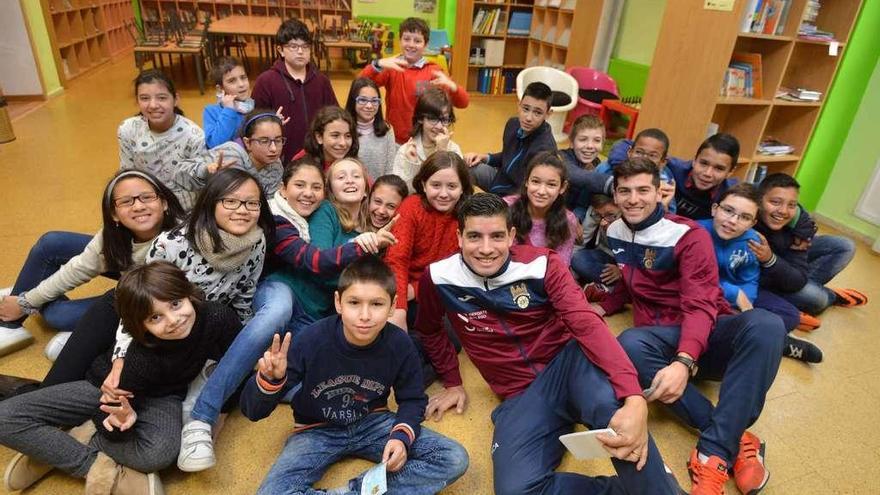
589	263
433	463
276	309
828	255
52	250
525	446
743	352
780	307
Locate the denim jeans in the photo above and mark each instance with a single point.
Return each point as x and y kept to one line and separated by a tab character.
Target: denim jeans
589	263
52	250
828	255
743	352
275	309
433	461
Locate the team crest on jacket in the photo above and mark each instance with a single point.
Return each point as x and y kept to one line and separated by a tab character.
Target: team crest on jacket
520	294
650	257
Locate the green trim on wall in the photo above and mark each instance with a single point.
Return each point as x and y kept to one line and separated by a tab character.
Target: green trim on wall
33	13
630	77
842	103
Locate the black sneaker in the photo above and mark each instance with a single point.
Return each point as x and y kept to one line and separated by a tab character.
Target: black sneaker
801	350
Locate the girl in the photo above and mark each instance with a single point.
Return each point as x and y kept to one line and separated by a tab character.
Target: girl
135	208
175	332
426	231
430	132
332	136
278	304
375	136
388	193
539	213
258	151
223	119
159	138
346	211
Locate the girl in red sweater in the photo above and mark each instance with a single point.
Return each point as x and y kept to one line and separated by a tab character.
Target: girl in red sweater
426	229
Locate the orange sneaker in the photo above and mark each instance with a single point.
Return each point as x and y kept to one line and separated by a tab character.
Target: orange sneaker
749	471
850	298
708	478
808	323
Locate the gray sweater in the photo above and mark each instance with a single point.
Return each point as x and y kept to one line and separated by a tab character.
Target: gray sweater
377	153
193	172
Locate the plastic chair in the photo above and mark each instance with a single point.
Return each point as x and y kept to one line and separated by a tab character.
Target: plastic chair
561	84
593	87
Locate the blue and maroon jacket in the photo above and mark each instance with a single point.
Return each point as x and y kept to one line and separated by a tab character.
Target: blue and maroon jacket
670	275
514	323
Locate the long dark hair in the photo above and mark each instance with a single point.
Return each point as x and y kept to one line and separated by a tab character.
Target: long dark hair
438	161
557	229
324	116
218	186
117	239
156	76
432	103
380	127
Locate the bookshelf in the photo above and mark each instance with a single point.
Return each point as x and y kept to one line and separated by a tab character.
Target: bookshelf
152	11
559	33
86	33
682	95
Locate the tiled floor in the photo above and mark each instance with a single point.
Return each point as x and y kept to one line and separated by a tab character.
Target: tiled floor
820	422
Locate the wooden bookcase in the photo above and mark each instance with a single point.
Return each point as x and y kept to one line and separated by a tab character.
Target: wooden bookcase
86	33
562	34
692	53
306	10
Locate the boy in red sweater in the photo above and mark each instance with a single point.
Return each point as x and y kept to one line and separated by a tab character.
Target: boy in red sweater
407	75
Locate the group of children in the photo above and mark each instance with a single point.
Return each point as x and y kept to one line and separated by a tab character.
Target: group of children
323	247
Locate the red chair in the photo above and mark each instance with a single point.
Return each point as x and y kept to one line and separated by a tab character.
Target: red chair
594	86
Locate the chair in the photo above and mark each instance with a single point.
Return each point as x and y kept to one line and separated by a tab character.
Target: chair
565	94
438	49
593	87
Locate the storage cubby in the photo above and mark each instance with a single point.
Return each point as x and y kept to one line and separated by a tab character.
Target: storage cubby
774	54
810	67
62	28
791	125
743	121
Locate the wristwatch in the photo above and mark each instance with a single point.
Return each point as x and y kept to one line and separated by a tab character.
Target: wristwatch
689	363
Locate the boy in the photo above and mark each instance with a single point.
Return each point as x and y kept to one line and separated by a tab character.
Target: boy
293	85
345	367
587	137
524	136
532	336
684	325
594	265
731	229
700	183
653	144
796	265
407	75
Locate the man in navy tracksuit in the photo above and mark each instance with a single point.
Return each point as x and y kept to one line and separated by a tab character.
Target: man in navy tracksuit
684	326
527	327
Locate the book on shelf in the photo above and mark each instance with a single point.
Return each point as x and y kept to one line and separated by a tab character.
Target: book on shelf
743	77
798	94
808	29
765	16
771	146
486	22
756	173
520	23
496	81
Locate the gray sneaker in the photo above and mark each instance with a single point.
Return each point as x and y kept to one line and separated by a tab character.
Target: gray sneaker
13	339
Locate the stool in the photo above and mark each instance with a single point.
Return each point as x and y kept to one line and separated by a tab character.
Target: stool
609	106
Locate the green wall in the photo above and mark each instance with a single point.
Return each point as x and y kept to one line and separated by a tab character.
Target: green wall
392	12
638	30
840	109
855	164
33	12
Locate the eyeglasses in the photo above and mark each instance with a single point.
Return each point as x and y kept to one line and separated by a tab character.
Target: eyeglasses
433	120
298	47
728	212
608	217
653	156
128	201
234	204
265	142
363	100
537	112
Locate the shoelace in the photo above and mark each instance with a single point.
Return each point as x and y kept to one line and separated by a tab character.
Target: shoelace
709	478
748	451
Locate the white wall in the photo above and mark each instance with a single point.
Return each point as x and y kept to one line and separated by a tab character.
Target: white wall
18	67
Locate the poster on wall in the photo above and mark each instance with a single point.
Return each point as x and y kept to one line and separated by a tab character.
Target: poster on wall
425	6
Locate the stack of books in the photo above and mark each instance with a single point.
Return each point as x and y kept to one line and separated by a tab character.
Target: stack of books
798	94
743	76
766	16
496	81
808	29
520	23
774	147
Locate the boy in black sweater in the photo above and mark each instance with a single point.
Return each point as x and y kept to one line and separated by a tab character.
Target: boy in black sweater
346	366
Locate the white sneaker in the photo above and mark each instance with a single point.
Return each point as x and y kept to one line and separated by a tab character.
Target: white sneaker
196	447
55	345
5	291
195	388
13	339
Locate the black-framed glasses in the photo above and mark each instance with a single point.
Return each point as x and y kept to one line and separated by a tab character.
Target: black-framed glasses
653	156
128	201
433	120
265	142
234	204
608	217
365	100
728	212
298	47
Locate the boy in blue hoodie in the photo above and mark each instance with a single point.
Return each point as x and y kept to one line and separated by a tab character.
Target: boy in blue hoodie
653	144
345	367
733	217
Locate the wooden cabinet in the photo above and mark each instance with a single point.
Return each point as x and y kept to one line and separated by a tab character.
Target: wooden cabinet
560	33
87	33
312	12
693	51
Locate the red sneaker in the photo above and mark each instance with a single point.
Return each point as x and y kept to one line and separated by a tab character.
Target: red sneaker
595	292
850	298
708	478
749	471
808	323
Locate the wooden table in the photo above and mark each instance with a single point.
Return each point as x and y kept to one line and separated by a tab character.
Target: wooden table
170	48
263	29
348	47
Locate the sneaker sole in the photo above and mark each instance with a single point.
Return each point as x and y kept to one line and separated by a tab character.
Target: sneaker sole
154	485
196	466
17	345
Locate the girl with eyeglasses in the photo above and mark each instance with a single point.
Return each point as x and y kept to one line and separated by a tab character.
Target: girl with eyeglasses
159	137
432	120
135	208
257	150
375	136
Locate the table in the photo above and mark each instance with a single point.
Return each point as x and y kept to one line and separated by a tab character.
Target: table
347	46
170	48
263	29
